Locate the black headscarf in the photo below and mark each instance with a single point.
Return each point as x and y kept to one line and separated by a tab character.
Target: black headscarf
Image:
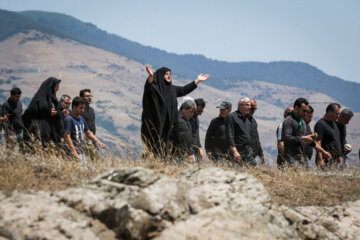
37	115
159	110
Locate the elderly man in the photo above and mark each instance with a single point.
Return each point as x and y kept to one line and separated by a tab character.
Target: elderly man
255	141
328	136
194	122
215	140
238	133
294	135
65	102
344	119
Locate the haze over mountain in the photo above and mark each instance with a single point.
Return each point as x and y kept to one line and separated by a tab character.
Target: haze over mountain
31	52
286	73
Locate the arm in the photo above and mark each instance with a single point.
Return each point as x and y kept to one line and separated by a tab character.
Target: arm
93	138
208	137
319	156
182	91
281	147
229	130
150	78
70	145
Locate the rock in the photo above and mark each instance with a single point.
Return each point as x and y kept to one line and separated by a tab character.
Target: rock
136	203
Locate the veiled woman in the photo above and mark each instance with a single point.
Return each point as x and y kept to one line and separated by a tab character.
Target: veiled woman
160	108
43	116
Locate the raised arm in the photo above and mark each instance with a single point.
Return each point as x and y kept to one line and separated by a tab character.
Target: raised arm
201	78
150	78
93	138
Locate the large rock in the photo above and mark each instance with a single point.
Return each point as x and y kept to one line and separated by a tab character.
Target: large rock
135	203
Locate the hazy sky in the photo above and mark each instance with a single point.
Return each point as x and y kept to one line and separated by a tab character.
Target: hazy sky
323	33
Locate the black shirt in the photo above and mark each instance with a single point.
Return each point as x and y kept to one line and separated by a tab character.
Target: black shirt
15	111
89	116
308	149
255	140
194	122
238	129
215	139
291	134
329	135
342	131
183	136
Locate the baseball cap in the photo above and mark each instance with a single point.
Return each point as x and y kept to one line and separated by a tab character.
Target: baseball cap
224	105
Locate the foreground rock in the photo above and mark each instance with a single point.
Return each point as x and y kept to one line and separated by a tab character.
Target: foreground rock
135	203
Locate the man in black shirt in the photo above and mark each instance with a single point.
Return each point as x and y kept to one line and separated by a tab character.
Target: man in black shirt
294	134
238	133
182	132
255	141
215	140
194	121
13	109
89	113
280	161
344	119
328	136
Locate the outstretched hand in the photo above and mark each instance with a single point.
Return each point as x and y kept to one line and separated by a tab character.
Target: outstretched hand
151	75
202	78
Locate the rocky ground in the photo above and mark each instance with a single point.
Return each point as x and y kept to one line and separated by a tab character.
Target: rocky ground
136	203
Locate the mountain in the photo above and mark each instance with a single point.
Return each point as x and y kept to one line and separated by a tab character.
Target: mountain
295	74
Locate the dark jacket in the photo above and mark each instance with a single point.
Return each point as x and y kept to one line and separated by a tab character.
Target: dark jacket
238	129
194	122
183	136
89	115
255	140
15	111
215	139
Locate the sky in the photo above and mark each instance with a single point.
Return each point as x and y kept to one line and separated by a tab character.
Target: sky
323	33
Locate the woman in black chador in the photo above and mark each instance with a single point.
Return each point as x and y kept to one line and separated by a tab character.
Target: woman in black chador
43	116
160	108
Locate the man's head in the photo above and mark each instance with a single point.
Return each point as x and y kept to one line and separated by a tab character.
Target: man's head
200	105
78	106
300	107
187	109
244	105
65	101
253	107
309	114
225	108
15	94
345	116
288	111
86	94
332	112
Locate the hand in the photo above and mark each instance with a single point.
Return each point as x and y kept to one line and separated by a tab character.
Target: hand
5	118
340	160
65	112
327	155
53	112
321	163
202	78
262	160
201	153
102	145
151	74
237	157
308	139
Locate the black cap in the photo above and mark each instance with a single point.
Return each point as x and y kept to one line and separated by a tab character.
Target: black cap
224	105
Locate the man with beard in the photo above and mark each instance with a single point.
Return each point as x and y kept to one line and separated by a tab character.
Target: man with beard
238	134
89	113
215	140
255	140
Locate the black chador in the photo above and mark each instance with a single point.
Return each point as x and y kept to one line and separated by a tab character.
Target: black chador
160	110
37	117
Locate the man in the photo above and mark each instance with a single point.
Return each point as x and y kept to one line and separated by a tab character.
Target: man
215	140
255	141
182	131
65	102
238	133
280	143
194	122
294	134
12	108
328	136
75	129
344	119
89	113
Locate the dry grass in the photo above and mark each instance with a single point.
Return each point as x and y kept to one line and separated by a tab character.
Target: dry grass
51	171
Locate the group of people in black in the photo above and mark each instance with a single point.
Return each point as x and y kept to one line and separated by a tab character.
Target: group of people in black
49	120
172	130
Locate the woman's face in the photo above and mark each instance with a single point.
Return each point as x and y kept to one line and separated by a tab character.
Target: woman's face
56	88
167	76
